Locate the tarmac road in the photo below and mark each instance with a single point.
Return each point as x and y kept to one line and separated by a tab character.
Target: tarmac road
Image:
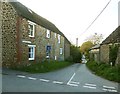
75	78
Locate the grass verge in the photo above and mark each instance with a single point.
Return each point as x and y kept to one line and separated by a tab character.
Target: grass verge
106	71
43	67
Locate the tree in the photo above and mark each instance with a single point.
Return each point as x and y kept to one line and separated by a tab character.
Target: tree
95	39
75	53
85	47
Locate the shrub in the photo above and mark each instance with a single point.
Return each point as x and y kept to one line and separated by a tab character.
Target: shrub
75	54
113	53
104	70
43	67
69	59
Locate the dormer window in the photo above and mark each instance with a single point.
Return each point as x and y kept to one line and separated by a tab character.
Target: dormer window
48	33
31	28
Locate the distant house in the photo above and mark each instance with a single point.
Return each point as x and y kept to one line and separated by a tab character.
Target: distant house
95	53
28	37
112	39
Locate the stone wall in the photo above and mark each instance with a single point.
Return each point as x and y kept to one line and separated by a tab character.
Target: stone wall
104	53
118	57
15	31
67	49
41	42
0	33
9	37
95	55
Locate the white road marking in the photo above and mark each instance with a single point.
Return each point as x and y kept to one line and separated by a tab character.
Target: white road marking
72	84
90	87
71	78
57	82
21	76
109	90
109	87
31	78
90	84
113	90
44	80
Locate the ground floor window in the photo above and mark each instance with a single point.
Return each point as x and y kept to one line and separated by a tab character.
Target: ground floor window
61	51
48	49
31	52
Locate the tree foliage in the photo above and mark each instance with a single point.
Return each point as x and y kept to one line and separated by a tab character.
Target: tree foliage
95	39
75	53
85	47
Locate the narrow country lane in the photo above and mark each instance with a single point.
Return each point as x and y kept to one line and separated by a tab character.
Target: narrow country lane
75	78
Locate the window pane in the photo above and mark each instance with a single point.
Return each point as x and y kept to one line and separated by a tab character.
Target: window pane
48	33
31	53
58	38
31	30
61	50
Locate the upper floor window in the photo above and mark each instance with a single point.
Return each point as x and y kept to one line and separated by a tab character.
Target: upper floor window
31	28
48	33
55	35
59	39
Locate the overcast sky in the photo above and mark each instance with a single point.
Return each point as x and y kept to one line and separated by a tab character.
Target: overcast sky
72	17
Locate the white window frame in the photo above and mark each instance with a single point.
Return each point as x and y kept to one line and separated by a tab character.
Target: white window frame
61	51
48	33
59	38
55	35
33	53
29	29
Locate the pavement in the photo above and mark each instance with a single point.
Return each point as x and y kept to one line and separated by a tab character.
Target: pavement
75	78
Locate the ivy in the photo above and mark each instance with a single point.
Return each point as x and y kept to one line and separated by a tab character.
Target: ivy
113	53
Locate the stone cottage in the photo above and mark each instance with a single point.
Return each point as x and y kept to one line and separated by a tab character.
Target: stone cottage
112	39
95	53
29	38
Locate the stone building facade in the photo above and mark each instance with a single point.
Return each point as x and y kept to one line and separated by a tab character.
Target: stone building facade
112	39
95	53
104	53
27	37
0	35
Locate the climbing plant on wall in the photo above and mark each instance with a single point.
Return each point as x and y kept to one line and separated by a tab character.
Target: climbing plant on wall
113	53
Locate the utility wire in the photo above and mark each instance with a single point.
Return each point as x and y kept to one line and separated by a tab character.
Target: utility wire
97	17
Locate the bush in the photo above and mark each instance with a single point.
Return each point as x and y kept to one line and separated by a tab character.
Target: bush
43	67
69	59
104	70
75	54
113	53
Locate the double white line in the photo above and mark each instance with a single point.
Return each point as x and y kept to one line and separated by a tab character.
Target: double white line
92	86
109	89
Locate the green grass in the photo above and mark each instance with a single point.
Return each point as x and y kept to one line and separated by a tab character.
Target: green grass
104	70
43	67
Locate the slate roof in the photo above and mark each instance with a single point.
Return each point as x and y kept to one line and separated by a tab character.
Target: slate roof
95	47
114	37
32	16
